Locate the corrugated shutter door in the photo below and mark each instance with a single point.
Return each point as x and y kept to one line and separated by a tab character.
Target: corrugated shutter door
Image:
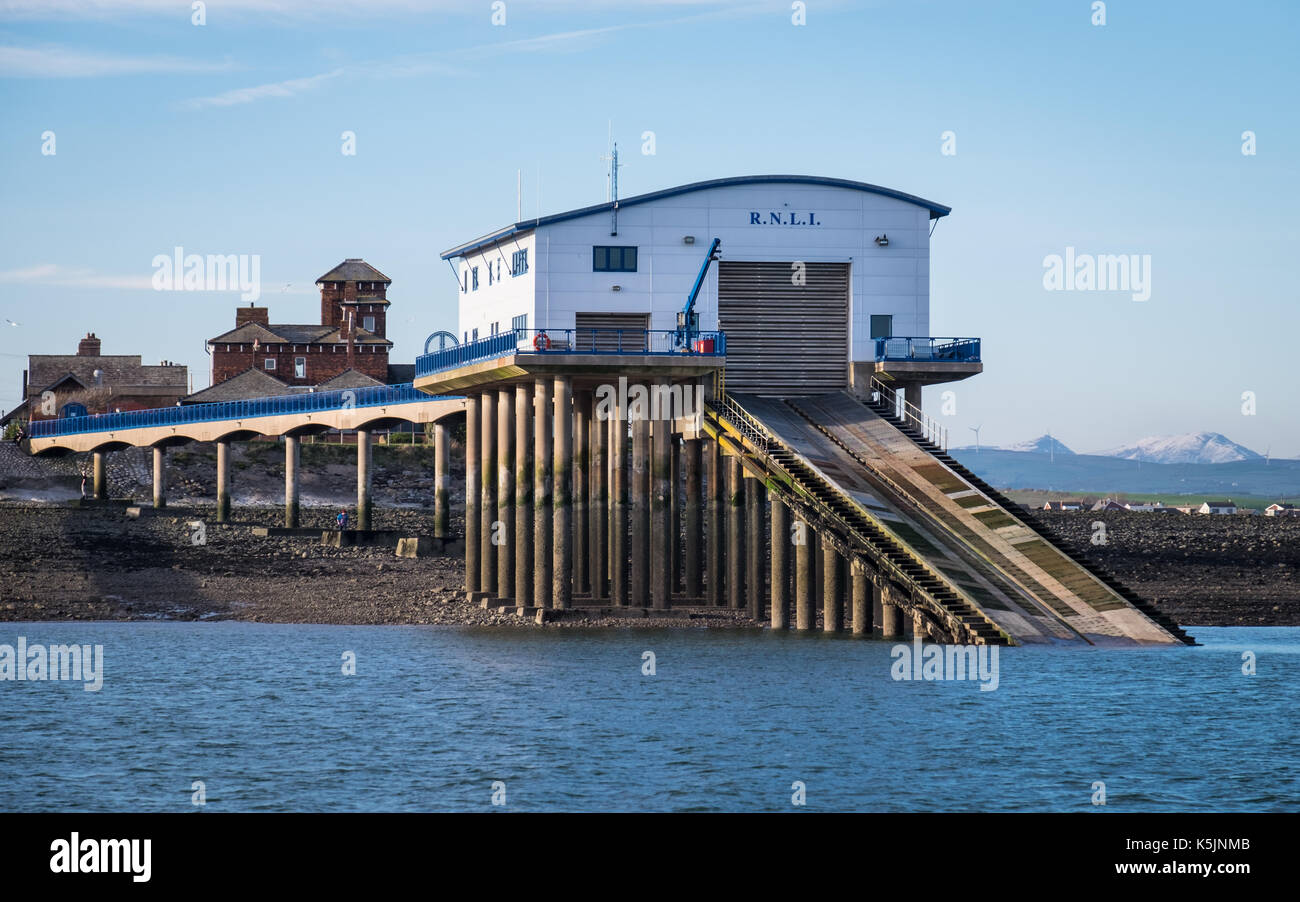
601	331
782	338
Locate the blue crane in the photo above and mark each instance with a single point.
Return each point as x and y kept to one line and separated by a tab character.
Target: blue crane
688	321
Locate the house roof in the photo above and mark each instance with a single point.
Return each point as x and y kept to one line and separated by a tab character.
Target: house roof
349	378
1221	503
293	334
251	383
936	210
120	371
354	269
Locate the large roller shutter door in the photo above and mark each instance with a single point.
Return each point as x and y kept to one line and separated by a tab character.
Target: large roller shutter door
601	331
782	338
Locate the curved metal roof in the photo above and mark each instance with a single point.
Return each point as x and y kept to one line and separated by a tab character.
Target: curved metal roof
936	210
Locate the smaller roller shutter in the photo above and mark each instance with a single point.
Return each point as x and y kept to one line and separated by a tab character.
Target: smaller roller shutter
600	331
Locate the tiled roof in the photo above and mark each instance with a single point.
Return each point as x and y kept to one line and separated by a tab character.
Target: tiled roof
354	269
118	370
293	334
348	379
251	383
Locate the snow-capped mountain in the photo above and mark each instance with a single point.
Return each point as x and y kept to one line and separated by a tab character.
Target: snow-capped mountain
1044	444
1190	448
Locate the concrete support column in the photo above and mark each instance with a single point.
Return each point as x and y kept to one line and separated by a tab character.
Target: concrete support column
639	577
223	480
674	509
618	526
487	454
693	521
891	615
543	513
582	404
805	580
661	498
918	624
473	481
563	467
735	534
441	481
506	492
523	496
598	506
912	394
716	517
780	589
100	477
861	598
755	546
833	601
292	456
365	454
159	477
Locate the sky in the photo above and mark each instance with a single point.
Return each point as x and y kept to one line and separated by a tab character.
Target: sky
1120	138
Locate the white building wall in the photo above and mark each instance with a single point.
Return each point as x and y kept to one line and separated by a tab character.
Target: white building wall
506	297
843	226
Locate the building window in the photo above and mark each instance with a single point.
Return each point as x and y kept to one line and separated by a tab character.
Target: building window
498	269
464	280
613	259
300	367
368	323
519	263
269	363
520	322
495	328
473	278
474	335
882	326
489	272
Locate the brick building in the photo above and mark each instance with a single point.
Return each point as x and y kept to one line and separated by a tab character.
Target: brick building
350	335
60	385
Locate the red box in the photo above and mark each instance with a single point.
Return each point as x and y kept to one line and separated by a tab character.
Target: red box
704	346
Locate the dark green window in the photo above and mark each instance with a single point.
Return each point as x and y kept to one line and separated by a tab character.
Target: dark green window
882	326
613	259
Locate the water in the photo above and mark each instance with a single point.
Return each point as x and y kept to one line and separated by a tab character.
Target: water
263	716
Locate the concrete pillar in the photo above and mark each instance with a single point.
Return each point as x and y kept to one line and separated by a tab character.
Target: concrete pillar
755	547
100	477
292	457
473	479
891	615
661	498
833	600
543	512
918	624
639	576
441	481
861	598
674	510
780	555
912	394
365	454
714	477
563	552
693	521
523	496
582	402
506	492
223	480
487	454
159	477
598	506
618	527
805	580
735	534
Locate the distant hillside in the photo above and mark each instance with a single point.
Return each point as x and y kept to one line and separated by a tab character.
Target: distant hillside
1044	444
1109	475
1190	448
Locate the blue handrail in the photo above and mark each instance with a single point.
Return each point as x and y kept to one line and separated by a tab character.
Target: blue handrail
573	341
964	350
305	402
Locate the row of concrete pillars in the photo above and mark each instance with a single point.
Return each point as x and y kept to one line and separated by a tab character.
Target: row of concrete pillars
292	461
565	503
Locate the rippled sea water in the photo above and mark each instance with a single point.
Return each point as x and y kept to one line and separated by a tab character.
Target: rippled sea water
262	714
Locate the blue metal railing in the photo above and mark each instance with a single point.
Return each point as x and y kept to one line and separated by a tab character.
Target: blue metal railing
573	341
964	350
373	396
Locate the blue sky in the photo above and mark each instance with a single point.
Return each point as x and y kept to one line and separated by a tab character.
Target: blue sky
1117	139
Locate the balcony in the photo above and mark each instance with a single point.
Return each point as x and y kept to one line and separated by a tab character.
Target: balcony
953	350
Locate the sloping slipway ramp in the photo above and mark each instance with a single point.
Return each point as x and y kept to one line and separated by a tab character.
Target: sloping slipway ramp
981	546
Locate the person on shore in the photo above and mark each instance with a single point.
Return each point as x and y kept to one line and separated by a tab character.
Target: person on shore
83	486
342	520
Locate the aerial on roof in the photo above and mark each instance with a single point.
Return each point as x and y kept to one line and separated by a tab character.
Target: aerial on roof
354	269
936	210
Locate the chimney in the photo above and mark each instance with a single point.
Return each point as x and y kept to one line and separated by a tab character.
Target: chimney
89	346
251	314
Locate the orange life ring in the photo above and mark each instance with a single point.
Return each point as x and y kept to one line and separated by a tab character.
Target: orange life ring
542	342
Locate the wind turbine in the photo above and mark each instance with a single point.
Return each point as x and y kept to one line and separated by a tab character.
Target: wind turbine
976	430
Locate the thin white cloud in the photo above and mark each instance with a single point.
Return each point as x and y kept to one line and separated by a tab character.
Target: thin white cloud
311	9
289	88
53	274
64	62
